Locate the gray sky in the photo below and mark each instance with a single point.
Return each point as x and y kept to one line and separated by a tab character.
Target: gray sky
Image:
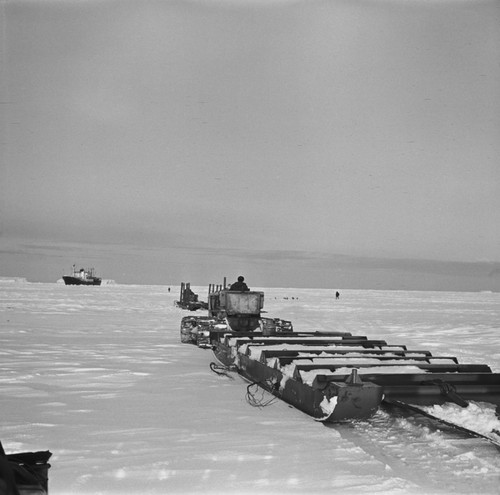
302	143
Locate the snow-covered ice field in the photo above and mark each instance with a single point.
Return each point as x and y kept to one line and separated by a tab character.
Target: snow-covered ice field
98	376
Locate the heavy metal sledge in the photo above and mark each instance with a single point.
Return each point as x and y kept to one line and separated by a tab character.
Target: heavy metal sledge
331	376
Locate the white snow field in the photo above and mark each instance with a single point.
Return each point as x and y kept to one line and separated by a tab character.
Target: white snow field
98	376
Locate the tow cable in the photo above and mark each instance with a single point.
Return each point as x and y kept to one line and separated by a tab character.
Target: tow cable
223	370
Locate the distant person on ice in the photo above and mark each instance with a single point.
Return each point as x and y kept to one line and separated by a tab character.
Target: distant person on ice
240	285
337	295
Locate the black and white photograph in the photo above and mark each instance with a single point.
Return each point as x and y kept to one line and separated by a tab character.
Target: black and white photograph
249	247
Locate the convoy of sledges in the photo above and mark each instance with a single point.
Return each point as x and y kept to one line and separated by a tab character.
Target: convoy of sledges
24	473
336	376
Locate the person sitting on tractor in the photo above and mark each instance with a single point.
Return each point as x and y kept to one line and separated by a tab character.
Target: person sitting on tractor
240	285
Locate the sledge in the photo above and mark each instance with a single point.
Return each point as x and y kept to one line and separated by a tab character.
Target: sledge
188	299
331	376
24	473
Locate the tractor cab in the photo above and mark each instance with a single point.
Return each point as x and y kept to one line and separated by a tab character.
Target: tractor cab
241	310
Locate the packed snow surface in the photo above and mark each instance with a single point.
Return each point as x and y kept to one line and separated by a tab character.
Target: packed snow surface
477	416
98	376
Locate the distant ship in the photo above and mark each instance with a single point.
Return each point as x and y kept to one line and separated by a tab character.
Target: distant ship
82	277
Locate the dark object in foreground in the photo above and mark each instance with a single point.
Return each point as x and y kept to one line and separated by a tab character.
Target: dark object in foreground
24	473
332	376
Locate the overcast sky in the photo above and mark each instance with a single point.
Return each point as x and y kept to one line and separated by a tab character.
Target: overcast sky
300	143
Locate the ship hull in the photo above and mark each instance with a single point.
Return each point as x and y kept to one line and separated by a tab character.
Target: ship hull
68	280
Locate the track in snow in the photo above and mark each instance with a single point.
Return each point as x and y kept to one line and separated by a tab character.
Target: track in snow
402	440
